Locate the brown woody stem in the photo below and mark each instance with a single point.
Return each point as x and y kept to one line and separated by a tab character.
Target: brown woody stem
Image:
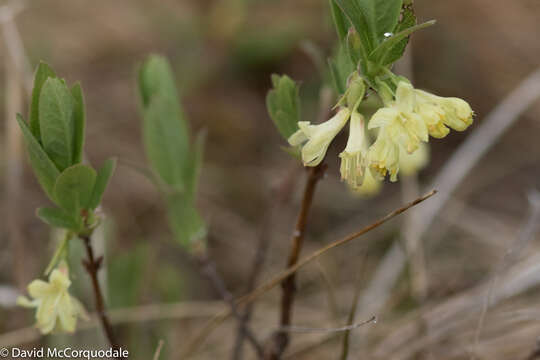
92	266
280	339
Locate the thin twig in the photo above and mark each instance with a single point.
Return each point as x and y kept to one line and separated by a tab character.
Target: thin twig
452	175
299	329
213	323
209	270
326	97
280	339
279	196
92	266
158	350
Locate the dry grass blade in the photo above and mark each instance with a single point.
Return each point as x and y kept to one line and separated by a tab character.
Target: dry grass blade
300	329
524	237
448	179
158	350
213	323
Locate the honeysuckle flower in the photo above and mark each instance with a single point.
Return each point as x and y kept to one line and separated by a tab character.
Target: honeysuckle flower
383	155
410	164
353	158
443	112
56	308
400	120
317	138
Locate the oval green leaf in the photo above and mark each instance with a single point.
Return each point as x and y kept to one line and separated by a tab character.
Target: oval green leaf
74	187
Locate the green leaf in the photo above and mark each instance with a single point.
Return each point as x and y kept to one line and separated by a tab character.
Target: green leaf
408	20
166	140
165	136
74	187
156	78
341	23
185	221
341	68
165	130
56	122
79	122
43	72
194	165
283	105
372	18
58	218
103	176
383	52
44	169
354	47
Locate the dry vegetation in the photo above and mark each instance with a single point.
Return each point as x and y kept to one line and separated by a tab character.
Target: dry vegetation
479	49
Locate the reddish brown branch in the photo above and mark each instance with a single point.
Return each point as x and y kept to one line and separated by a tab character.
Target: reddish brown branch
92	266
195	342
280	339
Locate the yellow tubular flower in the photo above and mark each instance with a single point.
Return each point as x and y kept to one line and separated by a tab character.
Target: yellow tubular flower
413	123
353	157
401	122
453	112
318	137
383	156
56	308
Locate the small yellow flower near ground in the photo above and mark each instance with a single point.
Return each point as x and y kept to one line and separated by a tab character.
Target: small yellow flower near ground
318	137
353	158
56	309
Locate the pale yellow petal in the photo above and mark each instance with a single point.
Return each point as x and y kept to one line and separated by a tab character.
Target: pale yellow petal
66	314
59	279
26	302
383	117
297	138
320	136
39	288
405	97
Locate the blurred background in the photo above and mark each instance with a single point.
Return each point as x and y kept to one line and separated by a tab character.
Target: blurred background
429	288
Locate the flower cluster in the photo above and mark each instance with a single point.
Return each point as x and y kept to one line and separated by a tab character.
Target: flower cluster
403	125
57	310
